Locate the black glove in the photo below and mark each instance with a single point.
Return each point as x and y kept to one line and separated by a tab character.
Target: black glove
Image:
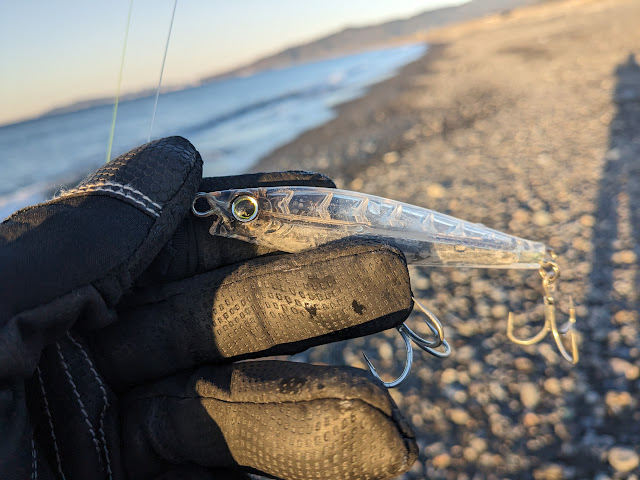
120	315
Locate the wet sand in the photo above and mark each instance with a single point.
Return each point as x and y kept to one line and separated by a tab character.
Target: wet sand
528	122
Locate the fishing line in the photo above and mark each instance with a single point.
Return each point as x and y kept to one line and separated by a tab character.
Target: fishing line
164	59
115	104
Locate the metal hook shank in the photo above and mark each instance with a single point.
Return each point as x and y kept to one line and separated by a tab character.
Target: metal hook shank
550	272
407	365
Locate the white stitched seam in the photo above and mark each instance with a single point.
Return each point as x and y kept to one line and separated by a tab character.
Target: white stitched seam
80	403
34	459
105	404
103	187
122	194
50	420
120	185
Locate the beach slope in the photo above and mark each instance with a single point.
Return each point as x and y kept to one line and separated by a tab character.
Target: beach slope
528	122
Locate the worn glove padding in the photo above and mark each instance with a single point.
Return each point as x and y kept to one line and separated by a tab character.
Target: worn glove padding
288	420
278	304
100	236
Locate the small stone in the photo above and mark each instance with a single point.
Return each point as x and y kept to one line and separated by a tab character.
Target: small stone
488	460
622	367
357	183
553	386
459	416
625	316
442	461
624	257
385	351
521	216
529	395
617	400
531	420
552	471
469	454
523	364
464	355
448	376
390	158
460	396
541	218
419	281
499	311
478	444
435	191
587	220
623	459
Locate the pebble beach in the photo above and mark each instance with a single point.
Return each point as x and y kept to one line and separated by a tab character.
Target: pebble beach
528	122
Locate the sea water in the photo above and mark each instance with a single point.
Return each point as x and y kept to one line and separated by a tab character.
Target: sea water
232	122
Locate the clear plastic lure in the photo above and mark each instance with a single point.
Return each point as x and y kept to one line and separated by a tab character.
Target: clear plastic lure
293	219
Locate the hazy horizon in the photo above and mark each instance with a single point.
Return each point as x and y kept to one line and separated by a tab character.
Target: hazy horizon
70	54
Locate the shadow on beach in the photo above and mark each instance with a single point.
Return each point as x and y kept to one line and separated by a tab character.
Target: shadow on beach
611	331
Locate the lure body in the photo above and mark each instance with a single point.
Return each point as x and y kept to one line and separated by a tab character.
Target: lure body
294	219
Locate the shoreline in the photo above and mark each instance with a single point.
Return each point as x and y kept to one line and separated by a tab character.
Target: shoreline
351	119
527	122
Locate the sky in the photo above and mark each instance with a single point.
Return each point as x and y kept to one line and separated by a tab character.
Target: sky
56	53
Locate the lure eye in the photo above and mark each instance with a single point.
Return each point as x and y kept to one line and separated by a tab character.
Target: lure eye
244	208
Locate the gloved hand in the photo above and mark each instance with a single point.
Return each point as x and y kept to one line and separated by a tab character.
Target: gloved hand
120	316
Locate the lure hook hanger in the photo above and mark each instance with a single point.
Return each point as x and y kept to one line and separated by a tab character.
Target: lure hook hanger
409	335
550	272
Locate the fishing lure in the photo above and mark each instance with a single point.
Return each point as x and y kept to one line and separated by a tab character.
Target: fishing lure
294	219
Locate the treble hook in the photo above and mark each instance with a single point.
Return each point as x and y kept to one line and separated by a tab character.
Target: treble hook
550	272
428	346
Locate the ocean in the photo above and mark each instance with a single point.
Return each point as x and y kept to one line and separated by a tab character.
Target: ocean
232	122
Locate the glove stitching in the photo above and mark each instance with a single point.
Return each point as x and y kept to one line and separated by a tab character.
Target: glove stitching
278	402
34	459
125	195
126	187
105	403
80	403
50	421
102	186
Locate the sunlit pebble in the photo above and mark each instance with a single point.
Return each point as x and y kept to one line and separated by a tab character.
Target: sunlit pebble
624	257
553	386
448	376
623	459
390	158
623	367
420	282
436	191
460	396
617	401
568	384
625	316
385	351
530	419
417	420
357	183
441	461
523	364
529	395
469	454
587	220
499	311
459	416
549	472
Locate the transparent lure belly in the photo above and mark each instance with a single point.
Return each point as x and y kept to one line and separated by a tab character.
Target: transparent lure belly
294	219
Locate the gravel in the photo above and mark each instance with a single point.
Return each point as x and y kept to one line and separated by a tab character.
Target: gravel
527	122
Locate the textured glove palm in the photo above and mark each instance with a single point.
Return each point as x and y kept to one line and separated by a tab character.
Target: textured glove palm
120	315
